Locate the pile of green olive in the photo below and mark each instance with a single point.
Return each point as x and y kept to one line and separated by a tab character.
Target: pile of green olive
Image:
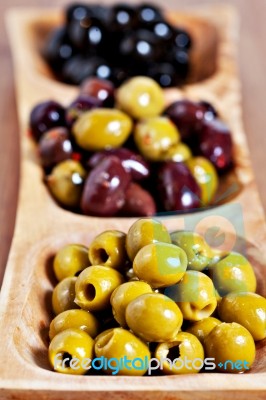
149	293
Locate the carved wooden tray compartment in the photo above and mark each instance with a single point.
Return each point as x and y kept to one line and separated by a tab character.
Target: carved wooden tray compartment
42	227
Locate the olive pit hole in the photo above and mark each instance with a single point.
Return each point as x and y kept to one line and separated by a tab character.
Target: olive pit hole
101	255
90	292
173	353
66	359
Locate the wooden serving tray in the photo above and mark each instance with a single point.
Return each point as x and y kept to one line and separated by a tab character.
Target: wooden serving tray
42	227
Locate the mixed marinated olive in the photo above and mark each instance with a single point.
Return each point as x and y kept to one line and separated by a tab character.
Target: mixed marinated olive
120	152
151	294
117	42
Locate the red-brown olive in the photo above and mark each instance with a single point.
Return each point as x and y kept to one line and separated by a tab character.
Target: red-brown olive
104	190
133	163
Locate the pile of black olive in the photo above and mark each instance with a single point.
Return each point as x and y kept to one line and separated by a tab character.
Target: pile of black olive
117	42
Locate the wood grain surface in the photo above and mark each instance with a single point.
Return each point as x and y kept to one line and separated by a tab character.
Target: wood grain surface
252	64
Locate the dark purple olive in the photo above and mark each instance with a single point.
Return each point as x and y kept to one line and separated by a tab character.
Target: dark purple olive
216	144
58	49
138	202
148	14
209	111
55	146
178	189
101	89
80	67
187	116
182	40
45	116
132	162
80	105
104	190
163	73
141	46
122	17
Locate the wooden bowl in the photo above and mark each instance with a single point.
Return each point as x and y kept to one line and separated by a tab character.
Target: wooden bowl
42	227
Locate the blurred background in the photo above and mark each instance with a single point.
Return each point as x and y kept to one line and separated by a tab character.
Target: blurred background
252	66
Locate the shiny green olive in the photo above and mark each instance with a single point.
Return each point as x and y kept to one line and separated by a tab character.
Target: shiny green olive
108	249
102	128
143	232
233	274
195	295
155	136
123	295
66	182
118	344
232	346
202	328
160	264
94	287
183	355
140	97
70	260
198	252
74	319
71	352
247	309
154	317
178	153
206	176
64	295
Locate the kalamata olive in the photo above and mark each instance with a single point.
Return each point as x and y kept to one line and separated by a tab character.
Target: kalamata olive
177	187
55	146
132	162
45	116
104	190
187	116
101	89
216	144
138	202
81	104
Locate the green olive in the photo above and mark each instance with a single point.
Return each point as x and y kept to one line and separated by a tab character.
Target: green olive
183	355
141	97
198	252
71	352
94	287
109	249
178	153
202	328
143	232
155	136
70	260
123	295
64	295
233	274
160	264
154	317
102	128
247	309
195	295
118	344
74	319
66	182
206	177
232	346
